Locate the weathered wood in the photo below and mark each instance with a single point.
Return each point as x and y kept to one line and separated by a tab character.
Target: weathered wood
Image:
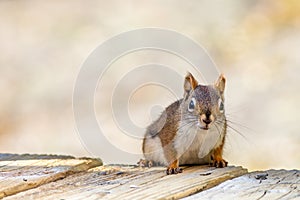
113	182
22	172
65	177
271	184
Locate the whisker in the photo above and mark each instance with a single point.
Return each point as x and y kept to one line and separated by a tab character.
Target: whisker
241	125
190	119
217	129
237	131
186	124
189	128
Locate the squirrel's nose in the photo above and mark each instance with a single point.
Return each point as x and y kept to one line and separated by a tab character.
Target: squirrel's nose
206	121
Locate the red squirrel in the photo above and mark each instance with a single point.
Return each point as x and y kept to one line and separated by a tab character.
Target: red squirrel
191	130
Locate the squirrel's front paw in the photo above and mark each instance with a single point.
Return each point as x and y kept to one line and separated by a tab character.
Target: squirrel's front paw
219	163
171	170
145	163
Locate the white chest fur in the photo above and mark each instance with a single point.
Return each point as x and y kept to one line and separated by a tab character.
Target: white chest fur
194	145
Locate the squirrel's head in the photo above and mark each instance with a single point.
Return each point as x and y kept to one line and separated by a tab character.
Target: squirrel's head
204	103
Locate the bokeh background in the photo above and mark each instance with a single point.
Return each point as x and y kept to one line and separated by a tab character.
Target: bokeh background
256	44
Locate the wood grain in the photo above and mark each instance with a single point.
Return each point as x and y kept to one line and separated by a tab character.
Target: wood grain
65	177
22	172
115	182
271	184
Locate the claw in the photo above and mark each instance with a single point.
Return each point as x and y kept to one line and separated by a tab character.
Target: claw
174	170
145	163
150	164
220	163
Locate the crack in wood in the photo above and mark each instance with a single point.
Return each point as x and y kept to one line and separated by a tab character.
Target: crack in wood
265	192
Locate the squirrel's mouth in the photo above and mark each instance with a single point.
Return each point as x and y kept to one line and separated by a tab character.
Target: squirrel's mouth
204	128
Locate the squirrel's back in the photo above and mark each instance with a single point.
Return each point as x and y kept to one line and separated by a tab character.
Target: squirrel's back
161	132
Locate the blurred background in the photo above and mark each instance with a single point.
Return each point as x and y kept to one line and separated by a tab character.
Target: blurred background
256	44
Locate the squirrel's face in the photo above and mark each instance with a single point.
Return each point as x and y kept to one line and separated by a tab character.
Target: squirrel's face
204	104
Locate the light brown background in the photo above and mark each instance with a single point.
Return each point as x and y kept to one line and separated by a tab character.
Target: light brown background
256	44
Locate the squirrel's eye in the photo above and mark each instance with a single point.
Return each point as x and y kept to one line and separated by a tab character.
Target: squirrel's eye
221	105
192	105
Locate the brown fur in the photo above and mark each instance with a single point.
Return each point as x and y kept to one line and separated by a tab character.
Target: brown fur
167	125
217	159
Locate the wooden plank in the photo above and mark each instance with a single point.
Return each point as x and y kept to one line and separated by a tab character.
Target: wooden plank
271	184
22	172
115	182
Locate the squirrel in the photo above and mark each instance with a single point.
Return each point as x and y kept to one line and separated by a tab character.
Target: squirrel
191	130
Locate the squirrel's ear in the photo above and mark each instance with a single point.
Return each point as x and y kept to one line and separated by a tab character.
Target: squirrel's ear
189	83
220	83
